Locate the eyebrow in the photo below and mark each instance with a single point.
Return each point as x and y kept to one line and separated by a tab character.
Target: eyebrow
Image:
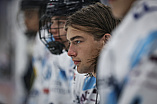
59	18
75	37
55	19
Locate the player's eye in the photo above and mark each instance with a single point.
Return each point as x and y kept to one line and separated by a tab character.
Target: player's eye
61	23
77	42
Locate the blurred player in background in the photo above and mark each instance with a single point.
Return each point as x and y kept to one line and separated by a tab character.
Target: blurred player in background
127	66
28	15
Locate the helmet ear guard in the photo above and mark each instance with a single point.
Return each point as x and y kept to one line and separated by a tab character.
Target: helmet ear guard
58	8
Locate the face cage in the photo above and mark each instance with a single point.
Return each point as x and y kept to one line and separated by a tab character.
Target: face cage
55	47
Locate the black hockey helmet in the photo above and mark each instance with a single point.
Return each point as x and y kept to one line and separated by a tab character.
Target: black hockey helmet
26	4
58	8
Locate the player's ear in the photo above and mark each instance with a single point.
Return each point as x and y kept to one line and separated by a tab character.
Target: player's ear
106	37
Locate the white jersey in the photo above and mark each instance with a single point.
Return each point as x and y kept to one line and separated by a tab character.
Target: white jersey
127	68
84	90
53	84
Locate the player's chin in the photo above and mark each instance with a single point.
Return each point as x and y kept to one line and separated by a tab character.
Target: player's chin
79	70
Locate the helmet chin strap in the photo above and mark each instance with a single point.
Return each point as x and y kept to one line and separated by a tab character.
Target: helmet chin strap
55	47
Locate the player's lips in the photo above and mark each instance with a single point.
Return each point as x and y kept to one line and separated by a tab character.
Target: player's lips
57	39
76	62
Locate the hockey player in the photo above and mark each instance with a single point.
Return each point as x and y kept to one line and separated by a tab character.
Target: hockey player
28	26
55	71
127	66
88	30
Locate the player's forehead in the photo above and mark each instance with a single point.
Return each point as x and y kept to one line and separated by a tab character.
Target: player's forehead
58	18
74	34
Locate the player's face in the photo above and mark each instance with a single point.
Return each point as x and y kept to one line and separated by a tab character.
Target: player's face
31	19
57	29
120	7
83	49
